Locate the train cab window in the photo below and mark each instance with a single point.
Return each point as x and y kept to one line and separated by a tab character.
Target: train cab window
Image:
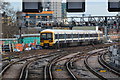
49	35
46	36
43	35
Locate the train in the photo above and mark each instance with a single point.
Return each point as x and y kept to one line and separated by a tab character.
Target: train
53	38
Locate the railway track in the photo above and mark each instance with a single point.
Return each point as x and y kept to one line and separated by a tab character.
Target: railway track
48	70
78	69
48	74
17	69
12	70
35	68
69	66
61	65
93	65
72	75
106	65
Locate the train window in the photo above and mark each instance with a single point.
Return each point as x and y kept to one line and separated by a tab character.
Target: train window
75	35
80	35
68	35
46	36
43	35
96	35
49	35
91	35
86	35
56	36
61	36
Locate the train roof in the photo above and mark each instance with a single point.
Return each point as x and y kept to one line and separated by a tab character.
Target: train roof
8	39
71	31
27	35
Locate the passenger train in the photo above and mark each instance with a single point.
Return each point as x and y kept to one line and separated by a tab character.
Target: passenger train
61	38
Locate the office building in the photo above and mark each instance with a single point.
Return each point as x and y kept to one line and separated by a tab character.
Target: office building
53	10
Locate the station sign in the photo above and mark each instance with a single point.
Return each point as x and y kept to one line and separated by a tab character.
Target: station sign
31	6
114	5
75	6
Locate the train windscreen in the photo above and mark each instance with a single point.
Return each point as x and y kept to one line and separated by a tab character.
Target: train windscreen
46	36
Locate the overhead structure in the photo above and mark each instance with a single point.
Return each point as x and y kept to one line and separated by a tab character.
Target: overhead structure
32	6
75	6
114	5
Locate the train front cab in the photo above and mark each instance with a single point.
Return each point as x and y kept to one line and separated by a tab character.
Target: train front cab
46	39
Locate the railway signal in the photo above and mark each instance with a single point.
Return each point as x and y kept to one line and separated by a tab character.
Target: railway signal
75	6
32	6
114	5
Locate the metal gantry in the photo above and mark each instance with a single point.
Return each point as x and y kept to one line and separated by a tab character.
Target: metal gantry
110	21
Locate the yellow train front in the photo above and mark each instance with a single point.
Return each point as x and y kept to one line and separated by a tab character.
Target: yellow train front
46	38
63	38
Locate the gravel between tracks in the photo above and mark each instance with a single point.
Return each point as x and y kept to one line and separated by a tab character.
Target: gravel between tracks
81	71
13	71
93	62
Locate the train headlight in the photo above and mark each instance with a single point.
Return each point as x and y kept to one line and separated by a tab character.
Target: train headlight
41	44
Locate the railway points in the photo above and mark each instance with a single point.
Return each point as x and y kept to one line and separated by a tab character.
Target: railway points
37	66
95	67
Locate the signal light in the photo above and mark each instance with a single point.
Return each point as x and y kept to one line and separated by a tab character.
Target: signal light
114	5
32	6
75	6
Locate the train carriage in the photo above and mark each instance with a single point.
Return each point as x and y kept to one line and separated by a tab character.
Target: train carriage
61	38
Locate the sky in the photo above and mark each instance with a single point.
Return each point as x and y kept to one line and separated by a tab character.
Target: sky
92	7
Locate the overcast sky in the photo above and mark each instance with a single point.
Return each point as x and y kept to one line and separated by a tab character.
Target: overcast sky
93	7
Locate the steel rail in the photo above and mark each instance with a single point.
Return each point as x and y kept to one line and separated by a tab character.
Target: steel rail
68	69
106	65
91	69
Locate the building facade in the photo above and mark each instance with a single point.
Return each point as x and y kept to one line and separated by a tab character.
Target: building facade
56	7
64	12
34	19
53	11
